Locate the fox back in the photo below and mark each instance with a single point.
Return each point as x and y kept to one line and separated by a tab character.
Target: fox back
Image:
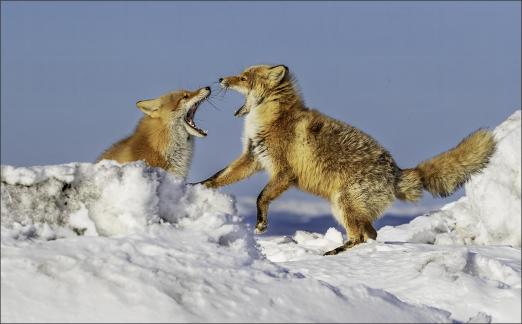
302	147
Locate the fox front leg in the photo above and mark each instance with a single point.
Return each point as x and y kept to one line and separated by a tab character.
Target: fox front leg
275	187
241	168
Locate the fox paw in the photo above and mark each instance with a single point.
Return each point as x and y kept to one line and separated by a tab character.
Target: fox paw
341	248
261	228
205	184
333	252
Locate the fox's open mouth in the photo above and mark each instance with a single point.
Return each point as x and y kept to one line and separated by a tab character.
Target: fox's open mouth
189	120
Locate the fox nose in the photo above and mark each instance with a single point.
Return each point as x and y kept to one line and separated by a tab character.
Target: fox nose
207	88
220	80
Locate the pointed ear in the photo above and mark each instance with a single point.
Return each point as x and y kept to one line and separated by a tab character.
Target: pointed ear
149	107
277	73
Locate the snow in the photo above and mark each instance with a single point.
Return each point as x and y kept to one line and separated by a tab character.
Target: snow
109	199
127	243
462	280
152	249
489	213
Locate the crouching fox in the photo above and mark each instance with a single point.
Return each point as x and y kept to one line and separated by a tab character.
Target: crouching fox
301	147
164	136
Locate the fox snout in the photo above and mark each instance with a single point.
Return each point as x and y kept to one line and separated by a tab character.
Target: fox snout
230	81
205	90
202	94
224	82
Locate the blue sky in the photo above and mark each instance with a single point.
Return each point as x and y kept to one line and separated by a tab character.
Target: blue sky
418	76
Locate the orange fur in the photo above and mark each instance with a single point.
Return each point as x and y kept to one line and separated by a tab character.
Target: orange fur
162	137
300	147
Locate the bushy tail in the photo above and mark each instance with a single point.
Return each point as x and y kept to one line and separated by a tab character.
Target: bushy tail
446	172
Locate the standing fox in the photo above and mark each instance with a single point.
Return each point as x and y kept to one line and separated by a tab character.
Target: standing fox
301	147
163	136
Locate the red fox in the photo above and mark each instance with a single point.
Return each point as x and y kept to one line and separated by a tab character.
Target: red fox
163	137
301	147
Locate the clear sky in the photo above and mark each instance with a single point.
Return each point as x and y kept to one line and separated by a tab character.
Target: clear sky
418	76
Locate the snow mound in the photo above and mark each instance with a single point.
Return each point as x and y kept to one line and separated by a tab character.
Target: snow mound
109	199
489	213
128	243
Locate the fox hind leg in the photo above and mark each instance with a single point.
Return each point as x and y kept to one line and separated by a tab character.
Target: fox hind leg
369	232
356	232
356	219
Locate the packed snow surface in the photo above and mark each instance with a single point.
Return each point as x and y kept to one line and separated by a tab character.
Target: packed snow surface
114	243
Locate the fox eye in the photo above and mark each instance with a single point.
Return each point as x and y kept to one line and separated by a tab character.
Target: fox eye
243	78
185	95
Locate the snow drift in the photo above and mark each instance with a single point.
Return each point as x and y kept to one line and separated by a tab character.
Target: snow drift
115	243
109	199
489	213
153	250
